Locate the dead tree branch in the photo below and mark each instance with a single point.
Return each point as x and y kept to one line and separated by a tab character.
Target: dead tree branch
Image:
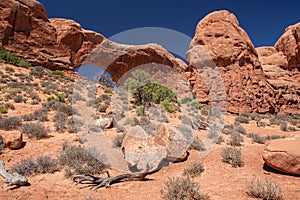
12	179
108	181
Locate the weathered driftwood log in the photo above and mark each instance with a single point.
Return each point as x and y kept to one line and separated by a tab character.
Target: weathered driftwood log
12	179
108	181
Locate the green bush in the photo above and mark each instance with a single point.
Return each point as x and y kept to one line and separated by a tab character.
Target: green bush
186	100
182	188
3	110
140	110
195	103
194	169
58	73
267	190
9	69
146	90
168	106
11	58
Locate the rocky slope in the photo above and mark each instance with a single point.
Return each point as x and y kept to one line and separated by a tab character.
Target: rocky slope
223	64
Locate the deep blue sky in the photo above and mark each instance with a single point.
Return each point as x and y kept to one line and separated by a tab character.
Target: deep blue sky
264	20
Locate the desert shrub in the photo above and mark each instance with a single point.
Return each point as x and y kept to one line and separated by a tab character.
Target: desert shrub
273	137
60	120
102	107
242	119
60	97
284	127
78	160
9	106
233	156
58	73
37	71
11	58
274	121
182	188
11	123
66	109
18	99
9	69
186	100
104	98
240	129
256	116
28	117
35	130
76	96
256	138
168	106
25	167
2	145
118	140
195	103
3	110
194	169
261	124
235	139
140	110
46	164
196	145
267	190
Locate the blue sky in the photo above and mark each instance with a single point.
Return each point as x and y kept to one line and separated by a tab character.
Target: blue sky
264	20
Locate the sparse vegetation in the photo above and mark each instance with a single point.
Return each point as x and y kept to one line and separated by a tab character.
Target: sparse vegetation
182	188
266	190
193	170
235	139
58	73
43	164
78	160
25	167
242	119
11	123
35	130
11	58
233	156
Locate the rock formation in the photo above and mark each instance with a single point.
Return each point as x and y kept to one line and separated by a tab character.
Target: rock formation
223	46
284	80
281	64
289	45
284	155
223	65
56	44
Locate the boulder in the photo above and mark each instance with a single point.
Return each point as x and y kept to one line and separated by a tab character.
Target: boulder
104	123
221	55
167	145
284	155
13	140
